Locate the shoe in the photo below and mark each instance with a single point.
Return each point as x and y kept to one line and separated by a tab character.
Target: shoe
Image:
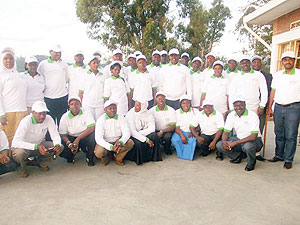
236	160
260	158
275	159
219	156
24	174
119	163
91	163
250	167
288	165
71	161
46	168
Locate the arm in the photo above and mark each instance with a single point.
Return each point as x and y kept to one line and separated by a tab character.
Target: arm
263	93
195	134
133	131
212	145
201	100
99	134
19	136
106	90
271	101
179	132
189	86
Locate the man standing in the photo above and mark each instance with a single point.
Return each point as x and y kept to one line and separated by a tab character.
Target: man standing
54	71
117	57
210	59
231	71
164	57
185	58
155	66
286	95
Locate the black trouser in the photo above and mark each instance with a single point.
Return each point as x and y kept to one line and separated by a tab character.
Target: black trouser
57	107
204	149
165	140
174	104
8	167
86	144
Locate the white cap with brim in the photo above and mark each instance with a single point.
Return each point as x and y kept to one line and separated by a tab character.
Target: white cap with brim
74	98
116	62
56	48
92	57
78	52
245	58
138	53
156	52
117	51
197	59
39	106
163	52
232	59
97	53
207	102
256	57
131	56
160	93
140	57
30	59
185	54
174	51
210	54
8	50
218	62
289	54
183	97
238	99
109	102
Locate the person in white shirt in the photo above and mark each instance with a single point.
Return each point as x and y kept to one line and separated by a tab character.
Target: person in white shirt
211	124
91	89
215	89
113	135
184	59
77	129
7	164
286	95
197	78
130	69
164	57
98	53
29	140
186	122
165	121
144	87
176	80
54	71
231	71
210	58
142	128
13	91
248	138
75	73
155	66
116	88
117	57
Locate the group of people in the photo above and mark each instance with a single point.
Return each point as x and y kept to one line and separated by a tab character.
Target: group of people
134	113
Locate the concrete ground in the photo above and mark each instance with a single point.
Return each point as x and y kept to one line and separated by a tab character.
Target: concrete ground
175	191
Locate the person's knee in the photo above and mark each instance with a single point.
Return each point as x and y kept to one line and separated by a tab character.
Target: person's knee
99	151
129	144
19	154
219	145
249	147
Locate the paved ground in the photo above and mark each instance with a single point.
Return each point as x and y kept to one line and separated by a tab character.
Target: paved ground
175	191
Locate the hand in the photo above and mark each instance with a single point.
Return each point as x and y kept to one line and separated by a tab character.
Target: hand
226	145
231	144
200	140
183	139
190	135
76	142
3	121
150	143
160	134
260	111
57	148
116	147
4	158
200	108
212	146
42	150
270	112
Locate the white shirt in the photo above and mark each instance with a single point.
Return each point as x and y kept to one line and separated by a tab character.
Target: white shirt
156	70
3	142
208	72
197	84
109	130
252	86
131	74
163	118
185	120
75	74
13	91
30	134
106	72
35	88
55	76
216	90
286	86
245	125
143	85
209	125
75	125
176	81
92	88
230	75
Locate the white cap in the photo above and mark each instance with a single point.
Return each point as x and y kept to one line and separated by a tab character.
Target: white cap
174	51
92	57
218	62
8	50
185	54
232	58
210	53
131	56
184	97
256	57
140	57
244	57
74	98
156	52
55	48
160	93
207	102
117	51
197	59
114	62
97	53
39	106
78	52
138	53
163	52
239	98
289	54
109	102
30	59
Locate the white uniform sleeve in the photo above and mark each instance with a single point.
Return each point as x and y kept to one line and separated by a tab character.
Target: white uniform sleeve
107	89
188	80
53	131
99	134
2	112
17	141
220	121
90	121
63	126
232	92
125	130
3	142
254	124
229	122
134	132
151	127
263	90
172	113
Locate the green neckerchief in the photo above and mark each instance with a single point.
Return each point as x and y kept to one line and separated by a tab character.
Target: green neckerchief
72	116
107	117
214	76
171	64
114	78
51	61
138	71
33	120
132	70
152	65
189	66
244	114
98	72
181	111
76	66
165	108
26	72
228	71
251	71
293	71
192	72
214	112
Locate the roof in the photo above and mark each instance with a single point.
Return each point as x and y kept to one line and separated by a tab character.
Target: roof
271	11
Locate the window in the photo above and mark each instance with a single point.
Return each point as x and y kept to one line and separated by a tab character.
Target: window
289	46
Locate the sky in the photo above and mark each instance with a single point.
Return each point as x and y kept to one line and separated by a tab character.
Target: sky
31	27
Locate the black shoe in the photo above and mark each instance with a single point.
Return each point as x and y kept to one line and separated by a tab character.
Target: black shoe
288	165
260	158
250	167
275	159
70	161
90	162
237	160
219	156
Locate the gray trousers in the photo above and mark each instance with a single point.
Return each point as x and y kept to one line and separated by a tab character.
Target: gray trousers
249	148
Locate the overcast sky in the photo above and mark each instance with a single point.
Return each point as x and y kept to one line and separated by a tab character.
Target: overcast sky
31	27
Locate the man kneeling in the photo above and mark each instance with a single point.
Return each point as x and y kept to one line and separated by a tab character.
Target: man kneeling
29	140
248	140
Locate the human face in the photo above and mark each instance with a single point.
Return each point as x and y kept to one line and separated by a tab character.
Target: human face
79	59
74	106
156	59
141	64
196	65
174	58
164	59
210	60
39	117
185	60
94	65
111	110
288	63
218	70
115	71
239	107
256	64
32	67
137	106
132	62
232	65
208	109
8	61
161	100
118	57
245	65
55	56
185	105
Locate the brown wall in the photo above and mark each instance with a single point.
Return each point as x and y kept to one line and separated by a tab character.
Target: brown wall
282	24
